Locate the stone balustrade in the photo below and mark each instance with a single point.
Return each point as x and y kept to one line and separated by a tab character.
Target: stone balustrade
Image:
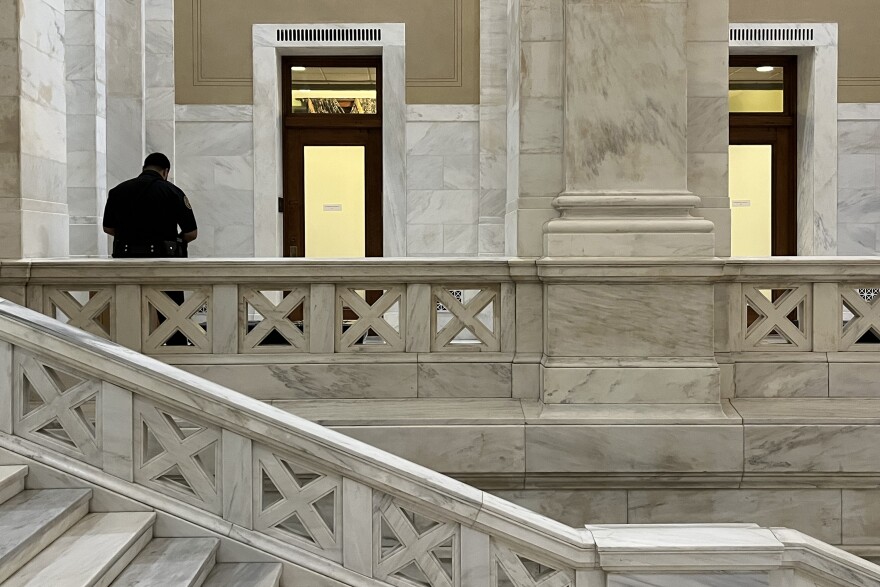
784	327
323	502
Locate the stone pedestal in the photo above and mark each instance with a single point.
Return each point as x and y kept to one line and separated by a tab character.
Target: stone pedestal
625	135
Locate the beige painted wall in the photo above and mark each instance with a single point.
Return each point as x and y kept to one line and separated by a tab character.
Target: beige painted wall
212	39
858	20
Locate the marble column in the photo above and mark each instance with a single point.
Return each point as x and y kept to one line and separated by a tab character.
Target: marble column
33	137
86	75
625	135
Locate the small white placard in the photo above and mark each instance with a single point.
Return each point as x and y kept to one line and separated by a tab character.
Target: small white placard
332	207
741	203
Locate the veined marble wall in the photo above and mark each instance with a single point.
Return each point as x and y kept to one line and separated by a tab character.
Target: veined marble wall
33	130
443	181
86	85
858	176
214	165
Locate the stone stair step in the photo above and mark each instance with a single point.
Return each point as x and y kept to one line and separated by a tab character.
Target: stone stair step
245	575
11	480
171	562
91	554
31	520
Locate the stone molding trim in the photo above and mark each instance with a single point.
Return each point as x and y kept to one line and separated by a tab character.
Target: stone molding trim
389	41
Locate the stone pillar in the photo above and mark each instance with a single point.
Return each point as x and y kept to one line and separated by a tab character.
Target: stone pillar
159	77
125	90
33	135
86	74
624	331
625	135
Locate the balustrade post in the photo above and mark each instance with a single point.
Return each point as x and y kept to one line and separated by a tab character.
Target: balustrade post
322	318
128	317
507	318
225	319
357	527
529	340
826	317
476	558
6	387
237	479
735	317
418	318
35	298
117	425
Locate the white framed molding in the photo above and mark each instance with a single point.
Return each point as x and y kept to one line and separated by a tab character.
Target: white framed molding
815	45
270	43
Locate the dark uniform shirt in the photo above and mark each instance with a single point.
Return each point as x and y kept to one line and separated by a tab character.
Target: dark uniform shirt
148	209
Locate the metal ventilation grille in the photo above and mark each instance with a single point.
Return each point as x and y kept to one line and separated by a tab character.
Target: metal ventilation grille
772	34
310	35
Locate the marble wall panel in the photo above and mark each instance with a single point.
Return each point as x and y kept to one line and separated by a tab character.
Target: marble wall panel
629	320
815	448
630	385
452	450
443	180
214	166
858	202
776	507
718	579
781	380
861	516
633	449
335	381
854	380
464	380
572	507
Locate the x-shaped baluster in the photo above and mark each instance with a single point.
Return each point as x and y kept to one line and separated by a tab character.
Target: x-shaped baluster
60	405
180	452
176	318
415	548
867	316
83	315
297	500
775	316
370	317
275	317
521	577
466	316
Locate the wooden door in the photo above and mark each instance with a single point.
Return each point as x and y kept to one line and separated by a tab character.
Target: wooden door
296	142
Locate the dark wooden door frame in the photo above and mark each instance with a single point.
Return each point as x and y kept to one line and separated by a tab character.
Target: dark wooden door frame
301	130
780	131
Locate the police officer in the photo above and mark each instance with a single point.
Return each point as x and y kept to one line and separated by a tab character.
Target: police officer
143	214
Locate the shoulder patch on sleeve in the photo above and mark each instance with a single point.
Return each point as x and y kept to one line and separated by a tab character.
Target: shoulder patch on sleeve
186	203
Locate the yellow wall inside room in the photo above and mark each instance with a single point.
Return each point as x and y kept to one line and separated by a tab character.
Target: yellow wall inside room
334	175
755	100
751	168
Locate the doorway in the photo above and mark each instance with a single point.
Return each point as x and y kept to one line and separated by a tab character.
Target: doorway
763	155
332	149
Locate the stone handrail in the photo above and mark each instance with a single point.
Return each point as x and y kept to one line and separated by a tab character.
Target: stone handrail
324	501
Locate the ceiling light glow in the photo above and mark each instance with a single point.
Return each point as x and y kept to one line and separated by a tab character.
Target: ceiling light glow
765	69
297	68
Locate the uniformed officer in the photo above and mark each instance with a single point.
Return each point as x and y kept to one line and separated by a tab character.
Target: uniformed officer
143	214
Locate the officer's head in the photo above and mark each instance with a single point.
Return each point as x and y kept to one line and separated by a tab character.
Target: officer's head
159	163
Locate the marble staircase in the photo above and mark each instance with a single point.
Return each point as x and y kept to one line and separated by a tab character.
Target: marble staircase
50	537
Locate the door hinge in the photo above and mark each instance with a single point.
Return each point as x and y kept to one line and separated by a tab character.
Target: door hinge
281	205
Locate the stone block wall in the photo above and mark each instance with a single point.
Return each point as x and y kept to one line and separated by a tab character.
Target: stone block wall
214	165
858	203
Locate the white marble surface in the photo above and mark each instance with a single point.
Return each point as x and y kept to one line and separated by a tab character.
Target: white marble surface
170	561
859	179
718	579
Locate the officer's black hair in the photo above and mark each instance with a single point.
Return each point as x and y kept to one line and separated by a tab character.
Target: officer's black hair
157	160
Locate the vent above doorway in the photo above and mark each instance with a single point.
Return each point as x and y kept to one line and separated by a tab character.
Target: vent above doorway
328	35
775	34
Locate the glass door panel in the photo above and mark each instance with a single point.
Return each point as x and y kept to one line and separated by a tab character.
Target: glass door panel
751	191
334	181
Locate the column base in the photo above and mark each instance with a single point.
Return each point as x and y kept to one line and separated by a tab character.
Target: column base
628	224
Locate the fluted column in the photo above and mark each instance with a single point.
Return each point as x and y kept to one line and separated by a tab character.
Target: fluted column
625	135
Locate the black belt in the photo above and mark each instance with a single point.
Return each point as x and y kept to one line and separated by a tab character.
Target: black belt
123	249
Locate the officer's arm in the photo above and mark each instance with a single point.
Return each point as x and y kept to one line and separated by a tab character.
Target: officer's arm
110	230
190	236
